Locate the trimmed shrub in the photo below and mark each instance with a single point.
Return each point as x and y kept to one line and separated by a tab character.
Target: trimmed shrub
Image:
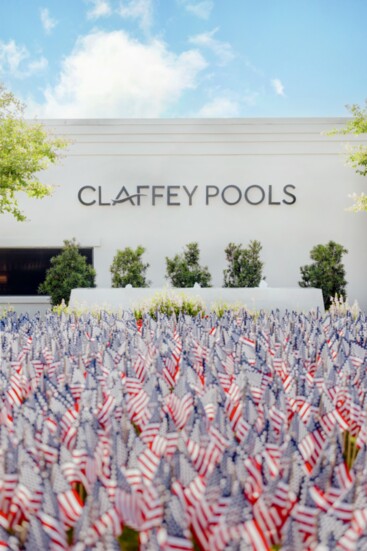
69	270
244	265
184	270
128	268
327	271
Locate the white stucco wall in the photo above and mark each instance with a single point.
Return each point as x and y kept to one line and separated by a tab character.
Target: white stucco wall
239	152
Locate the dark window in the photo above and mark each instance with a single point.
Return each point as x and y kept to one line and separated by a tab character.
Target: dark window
22	270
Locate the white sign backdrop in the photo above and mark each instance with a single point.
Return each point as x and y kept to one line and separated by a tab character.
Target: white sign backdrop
284	157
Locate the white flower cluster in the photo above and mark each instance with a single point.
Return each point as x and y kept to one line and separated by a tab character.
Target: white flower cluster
360	202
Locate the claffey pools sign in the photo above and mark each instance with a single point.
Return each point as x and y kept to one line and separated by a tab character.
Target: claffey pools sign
175	196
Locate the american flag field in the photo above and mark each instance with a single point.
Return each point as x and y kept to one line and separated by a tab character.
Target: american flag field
241	433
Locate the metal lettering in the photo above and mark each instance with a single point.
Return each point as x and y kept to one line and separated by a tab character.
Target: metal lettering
155	195
100	202
271	202
255	202
208	195
294	199
190	194
170	195
233	202
80	196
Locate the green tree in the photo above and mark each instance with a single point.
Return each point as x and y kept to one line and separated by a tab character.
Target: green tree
244	265
184	270
327	271
25	150
128	268
69	270
357	155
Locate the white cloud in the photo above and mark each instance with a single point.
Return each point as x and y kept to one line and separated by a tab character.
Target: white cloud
278	87
36	66
48	23
99	8
142	10
15	60
109	74
11	56
223	50
219	107
201	9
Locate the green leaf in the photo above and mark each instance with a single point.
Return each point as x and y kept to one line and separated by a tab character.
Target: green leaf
356	155
68	271
244	265
129	539
327	271
128	268
184	270
25	150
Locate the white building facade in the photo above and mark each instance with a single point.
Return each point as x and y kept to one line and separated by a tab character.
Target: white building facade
165	183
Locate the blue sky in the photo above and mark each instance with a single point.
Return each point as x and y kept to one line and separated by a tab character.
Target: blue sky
184	58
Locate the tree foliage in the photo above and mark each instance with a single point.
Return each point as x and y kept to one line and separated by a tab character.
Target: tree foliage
244	265
357	155
69	270
327	271
128	268
184	270
25	150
